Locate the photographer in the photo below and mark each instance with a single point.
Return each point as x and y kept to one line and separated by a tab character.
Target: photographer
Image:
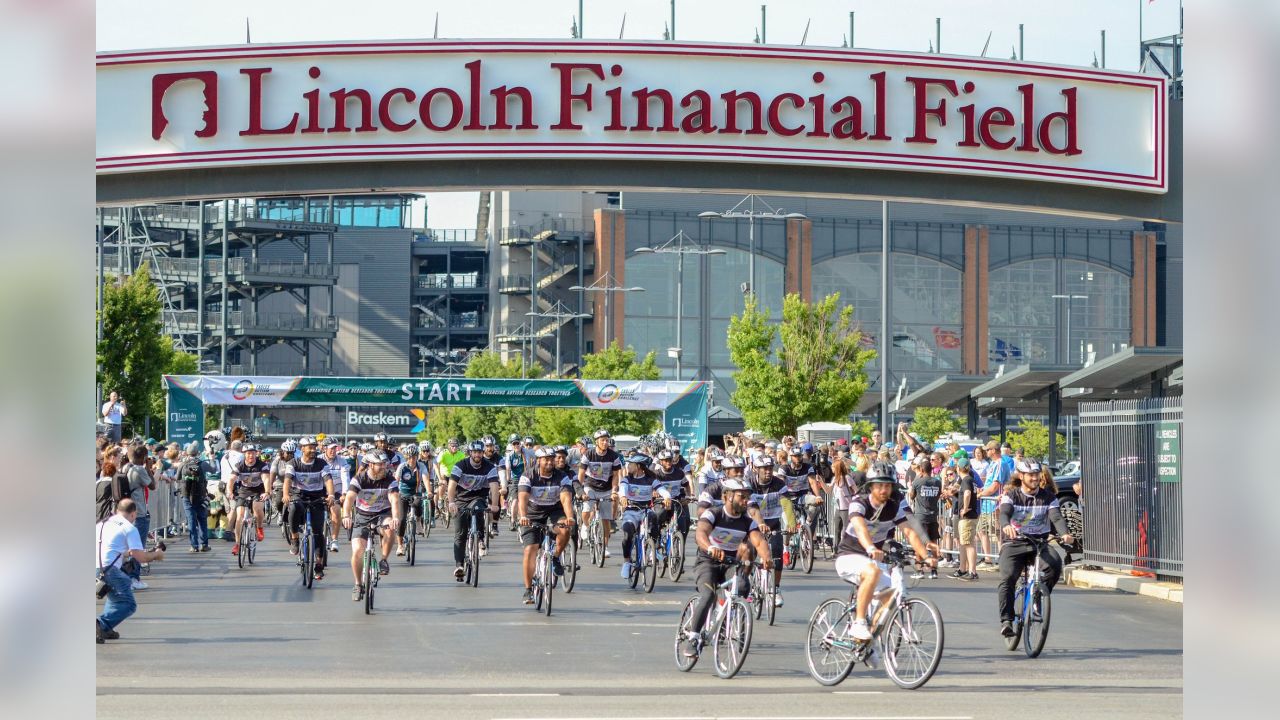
113	413
119	552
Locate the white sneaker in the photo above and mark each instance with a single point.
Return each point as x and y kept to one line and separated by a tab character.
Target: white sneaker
606	553
859	630
777	599
139	585
333	546
483	551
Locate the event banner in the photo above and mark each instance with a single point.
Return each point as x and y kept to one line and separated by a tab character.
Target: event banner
684	404
184	415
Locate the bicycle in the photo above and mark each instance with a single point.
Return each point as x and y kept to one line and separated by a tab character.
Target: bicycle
671	549
595	534
307	550
823	540
907	630
1032	607
411	533
477	534
763	589
799	545
544	576
644	560
248	538
369	571
729	625
428	515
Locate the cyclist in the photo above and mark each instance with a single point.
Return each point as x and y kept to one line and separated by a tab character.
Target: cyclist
1027	509
412	476
713	472
248	488
472	481
426	456
671	477
720	533
673	444
308	484
636	491
545	497
337	472
450	457
372	498
281	465
711	495
599	473
510	469
873	515
382	442
765	507
802	480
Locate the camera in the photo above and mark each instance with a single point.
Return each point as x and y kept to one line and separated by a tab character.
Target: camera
101	588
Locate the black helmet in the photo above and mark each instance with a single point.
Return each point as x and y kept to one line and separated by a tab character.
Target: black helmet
475	446
880	472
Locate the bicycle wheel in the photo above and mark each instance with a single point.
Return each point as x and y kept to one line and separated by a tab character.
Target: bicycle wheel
370	579
732	639
538	583
597	541
411	538
685	663
308	561
1019	601
570	566
792	549
548	580
771	596
912	643
650	555
1035	628
474	575
428	518
253	545
828	648
676	557
758	590
448	516
806	549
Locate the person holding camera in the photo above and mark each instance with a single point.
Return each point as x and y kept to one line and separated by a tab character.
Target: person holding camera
120	551
113	413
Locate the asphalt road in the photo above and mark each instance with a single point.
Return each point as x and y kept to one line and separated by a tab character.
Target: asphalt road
212	640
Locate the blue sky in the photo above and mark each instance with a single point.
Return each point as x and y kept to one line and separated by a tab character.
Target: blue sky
1056	31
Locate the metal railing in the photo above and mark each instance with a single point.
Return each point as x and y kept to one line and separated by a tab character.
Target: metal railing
1131	462
549	228
435	281
186	321
454	235
510	283
245	266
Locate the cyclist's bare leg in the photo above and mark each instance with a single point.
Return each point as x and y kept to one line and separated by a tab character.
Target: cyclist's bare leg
866	589
357	557
527	563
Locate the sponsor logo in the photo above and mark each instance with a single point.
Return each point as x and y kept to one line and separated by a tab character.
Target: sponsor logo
422	420
160	85
242	390
608	393
388	420
182	416
684	422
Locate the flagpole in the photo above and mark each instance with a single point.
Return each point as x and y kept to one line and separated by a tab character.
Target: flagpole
1140	4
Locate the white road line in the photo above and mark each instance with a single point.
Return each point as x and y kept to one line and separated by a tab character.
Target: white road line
767	717
857	692
549	623
646	602
515	694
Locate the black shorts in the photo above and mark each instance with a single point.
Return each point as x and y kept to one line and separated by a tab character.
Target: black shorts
532	535
361	523
246	497
932	530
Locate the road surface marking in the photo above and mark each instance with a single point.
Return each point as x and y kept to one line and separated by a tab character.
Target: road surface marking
515	694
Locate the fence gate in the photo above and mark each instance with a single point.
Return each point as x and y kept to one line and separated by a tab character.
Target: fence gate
1131	457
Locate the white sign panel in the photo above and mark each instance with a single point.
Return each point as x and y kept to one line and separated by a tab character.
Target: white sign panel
352	102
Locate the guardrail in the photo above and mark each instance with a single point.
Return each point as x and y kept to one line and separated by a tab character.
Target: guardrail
436	281
186	321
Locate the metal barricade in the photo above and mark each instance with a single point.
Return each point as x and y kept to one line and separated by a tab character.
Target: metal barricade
1131	459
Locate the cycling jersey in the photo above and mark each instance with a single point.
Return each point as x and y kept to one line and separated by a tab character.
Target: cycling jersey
473	480
1031	514
600	467
513	463
707	477
683	465
880	521
309	477
796	478
279	468
339	473
250	477
373	497
727	531
710	497
545	491
673	481
768	500
638	491
408	478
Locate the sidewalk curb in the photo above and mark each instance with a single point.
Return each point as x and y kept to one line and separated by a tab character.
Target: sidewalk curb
1105	580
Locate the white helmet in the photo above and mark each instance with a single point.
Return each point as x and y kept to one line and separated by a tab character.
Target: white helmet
289	446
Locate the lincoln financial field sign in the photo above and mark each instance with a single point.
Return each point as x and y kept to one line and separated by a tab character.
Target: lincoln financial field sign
337	102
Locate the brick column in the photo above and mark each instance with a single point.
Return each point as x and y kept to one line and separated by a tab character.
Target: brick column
1142	291
798	274
611	254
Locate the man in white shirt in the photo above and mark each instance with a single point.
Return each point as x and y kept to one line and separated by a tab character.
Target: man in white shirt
118	541
113	412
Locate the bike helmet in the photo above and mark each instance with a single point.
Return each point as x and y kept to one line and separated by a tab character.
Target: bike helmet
381	437
666	455
409	450
543	452
763	460
731	484
489	440
599	434
795	451
673	444
288	446
731	461
513	438
306	440
375	457
880	472
332	443
1028	465
640	459
475	446
528	440
366	447
249	447
562	450
424	448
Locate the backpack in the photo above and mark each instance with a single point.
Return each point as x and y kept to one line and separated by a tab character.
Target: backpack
108	493
191	481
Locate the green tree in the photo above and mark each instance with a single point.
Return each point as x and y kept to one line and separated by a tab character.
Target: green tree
1033	437
819	376
863	428
932	422
472	423
134	352
561	426
179	363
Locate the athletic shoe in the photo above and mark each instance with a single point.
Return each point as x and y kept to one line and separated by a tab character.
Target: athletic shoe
859	630
204	548
384	568
958	575
99	636
111	635
1006	629
626	569
528	596
293	549
333	546
139	585
356	593
484	550
556	566
235	549
458	572
933	574
261	535
693	641
319	573
194	550
970	576
606	553
400	551
777	598
917	575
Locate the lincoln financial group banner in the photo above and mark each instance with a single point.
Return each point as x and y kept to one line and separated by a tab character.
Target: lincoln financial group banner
684	404
356	101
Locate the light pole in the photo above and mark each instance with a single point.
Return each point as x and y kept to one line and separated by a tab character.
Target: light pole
680	251
559	314
608	289
750	212
1070	303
